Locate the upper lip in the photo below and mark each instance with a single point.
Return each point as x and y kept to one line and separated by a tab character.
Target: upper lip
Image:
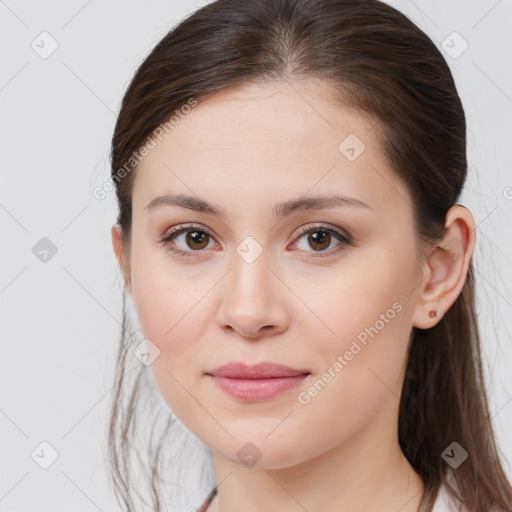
238	370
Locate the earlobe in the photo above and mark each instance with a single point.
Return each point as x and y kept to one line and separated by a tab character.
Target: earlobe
445	269
117	245
116	241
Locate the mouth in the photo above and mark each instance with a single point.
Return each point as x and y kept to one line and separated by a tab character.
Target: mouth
258	382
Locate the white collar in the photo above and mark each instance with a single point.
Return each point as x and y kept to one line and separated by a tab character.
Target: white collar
445	503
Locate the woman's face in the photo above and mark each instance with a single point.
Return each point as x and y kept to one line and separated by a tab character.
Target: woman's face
247	285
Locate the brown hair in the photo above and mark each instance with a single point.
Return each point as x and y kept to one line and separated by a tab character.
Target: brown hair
383	65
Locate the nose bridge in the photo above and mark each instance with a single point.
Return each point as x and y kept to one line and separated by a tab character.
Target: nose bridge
250	277
251	299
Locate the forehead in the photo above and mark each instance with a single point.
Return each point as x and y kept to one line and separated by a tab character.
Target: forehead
277	139
298	115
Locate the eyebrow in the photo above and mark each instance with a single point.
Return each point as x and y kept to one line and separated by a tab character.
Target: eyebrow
280	210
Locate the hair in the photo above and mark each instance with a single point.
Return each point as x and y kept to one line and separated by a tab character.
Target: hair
383	66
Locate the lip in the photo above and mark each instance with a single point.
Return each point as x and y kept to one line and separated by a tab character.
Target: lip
257	382
265	370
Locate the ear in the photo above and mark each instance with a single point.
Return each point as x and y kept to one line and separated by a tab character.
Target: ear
445	269
117	245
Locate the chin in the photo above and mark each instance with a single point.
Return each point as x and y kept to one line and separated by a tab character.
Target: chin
262	452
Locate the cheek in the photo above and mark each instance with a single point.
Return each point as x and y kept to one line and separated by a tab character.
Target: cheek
162	294
167	319
173	320
367	296
362	365
368	313
171	308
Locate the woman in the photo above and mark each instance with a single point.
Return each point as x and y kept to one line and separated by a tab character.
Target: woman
287	174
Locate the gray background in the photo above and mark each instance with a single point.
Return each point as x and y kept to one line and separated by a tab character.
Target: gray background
60	318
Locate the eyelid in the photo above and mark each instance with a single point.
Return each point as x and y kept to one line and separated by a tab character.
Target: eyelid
342	237
185	227
345	240
326	227
301	230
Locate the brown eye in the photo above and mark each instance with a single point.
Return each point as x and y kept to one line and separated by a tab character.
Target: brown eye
320	238
196	239
187	240
319	242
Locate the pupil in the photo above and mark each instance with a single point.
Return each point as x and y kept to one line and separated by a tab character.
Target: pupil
315	239
196	237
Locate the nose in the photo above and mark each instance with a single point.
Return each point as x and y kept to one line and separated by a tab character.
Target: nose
254	304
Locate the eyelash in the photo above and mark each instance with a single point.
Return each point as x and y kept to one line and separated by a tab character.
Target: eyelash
344	240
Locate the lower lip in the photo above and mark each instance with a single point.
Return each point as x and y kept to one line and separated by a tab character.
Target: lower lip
257	389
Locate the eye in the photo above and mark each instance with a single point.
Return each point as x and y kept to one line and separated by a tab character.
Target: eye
321	237
195	239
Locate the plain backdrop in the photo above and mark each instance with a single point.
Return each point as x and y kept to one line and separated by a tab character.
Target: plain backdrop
60	317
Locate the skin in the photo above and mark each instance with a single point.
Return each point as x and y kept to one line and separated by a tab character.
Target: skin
246	149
